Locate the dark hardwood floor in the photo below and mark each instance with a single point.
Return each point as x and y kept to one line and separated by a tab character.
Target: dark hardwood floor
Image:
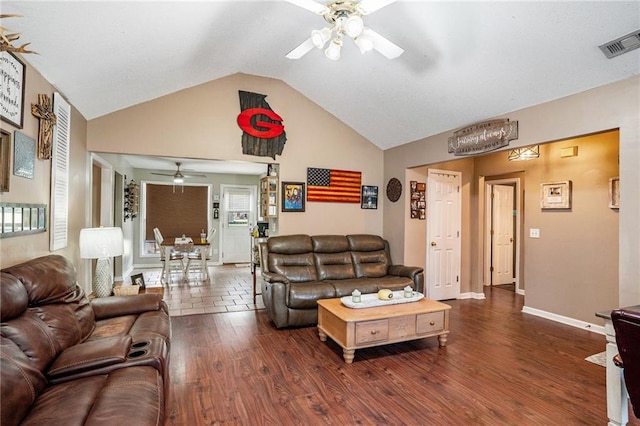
500	367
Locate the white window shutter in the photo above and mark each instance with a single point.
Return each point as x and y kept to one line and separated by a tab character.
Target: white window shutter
59	219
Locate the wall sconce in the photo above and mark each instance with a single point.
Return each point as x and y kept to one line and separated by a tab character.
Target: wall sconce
131	201
527	153
102	244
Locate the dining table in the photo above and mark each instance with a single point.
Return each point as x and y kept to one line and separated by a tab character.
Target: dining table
184	244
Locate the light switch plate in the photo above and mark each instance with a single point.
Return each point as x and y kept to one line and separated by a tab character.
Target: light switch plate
534	233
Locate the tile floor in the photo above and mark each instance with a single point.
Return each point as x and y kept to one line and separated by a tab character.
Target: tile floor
228	289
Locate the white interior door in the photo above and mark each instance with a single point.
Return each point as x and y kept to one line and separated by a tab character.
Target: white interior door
238	213
502	237
443	234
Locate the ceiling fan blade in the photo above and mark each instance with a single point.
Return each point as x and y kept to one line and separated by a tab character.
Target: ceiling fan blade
163	174
370	6
311	5
301	50
382	45
192	176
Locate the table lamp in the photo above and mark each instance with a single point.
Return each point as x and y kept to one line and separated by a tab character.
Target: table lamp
102	244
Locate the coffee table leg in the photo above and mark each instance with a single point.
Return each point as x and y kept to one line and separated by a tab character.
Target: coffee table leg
323	335
442	339
348	355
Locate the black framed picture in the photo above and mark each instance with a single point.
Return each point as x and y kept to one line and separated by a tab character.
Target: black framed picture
12	96
293	196
138	279
369	197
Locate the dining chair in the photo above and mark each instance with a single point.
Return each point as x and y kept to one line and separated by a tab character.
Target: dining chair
627	326
198	257
172	260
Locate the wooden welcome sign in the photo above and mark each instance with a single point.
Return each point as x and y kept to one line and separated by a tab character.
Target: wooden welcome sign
483	137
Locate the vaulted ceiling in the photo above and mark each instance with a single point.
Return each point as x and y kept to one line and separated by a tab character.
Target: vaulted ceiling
463	61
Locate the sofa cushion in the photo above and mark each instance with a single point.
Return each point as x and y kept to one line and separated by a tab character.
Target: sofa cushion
134	393
306	295
346	287
14	297
365	242
330	243
394	282
290	244
22	382
373	264
334	266
296	267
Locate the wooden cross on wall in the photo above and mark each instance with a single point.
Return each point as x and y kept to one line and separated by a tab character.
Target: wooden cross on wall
44	111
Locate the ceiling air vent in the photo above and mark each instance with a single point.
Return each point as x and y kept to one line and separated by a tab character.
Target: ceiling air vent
621	45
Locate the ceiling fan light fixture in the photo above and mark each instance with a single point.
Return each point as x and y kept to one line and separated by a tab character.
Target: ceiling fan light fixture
353	26
364	43
178	179
333	50
320	37
523	154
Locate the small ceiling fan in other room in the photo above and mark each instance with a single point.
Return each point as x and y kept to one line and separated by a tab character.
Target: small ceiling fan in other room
178	176
344	19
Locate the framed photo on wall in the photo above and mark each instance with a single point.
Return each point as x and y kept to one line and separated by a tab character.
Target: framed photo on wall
12	96
555	195
293	196
369	197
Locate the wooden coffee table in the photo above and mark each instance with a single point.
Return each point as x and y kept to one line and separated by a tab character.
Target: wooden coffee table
367	327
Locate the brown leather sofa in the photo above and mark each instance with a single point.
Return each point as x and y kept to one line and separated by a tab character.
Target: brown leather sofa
67	360
298	270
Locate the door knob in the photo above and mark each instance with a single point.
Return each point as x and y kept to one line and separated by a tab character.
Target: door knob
433	244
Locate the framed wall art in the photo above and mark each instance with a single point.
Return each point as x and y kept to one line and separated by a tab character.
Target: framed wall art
293	196
24	155
555	195
418	200
369	197
22	219
614	192
12	96
138	279
5	155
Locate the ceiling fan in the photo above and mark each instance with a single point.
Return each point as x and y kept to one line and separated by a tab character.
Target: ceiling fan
178	177
344	19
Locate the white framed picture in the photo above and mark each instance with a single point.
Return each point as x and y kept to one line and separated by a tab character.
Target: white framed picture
555	195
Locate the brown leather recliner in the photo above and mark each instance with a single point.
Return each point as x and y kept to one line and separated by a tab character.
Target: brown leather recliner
66	360
627	326
298	270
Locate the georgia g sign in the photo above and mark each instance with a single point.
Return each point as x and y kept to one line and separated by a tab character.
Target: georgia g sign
273	130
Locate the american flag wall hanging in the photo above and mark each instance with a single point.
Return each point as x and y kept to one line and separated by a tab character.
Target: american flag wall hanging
337	186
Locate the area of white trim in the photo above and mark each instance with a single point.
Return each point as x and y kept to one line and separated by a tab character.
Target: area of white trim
472	295
564	320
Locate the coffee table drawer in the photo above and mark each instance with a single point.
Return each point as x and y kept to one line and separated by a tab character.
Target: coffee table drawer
372	331
431	322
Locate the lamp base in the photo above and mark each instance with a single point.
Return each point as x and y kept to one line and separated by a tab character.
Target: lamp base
103	282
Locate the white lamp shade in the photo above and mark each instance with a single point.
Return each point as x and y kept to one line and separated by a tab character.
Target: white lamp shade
353	26
99	243
333	51
364	43
320	37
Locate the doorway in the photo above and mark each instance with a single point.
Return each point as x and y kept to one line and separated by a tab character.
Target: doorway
444	217
238	213
502	233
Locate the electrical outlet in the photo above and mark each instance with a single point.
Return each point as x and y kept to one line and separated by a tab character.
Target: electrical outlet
215	251
534	233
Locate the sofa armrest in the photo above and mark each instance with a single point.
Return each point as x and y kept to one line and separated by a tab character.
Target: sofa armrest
115	306
405	271
270	277
90	355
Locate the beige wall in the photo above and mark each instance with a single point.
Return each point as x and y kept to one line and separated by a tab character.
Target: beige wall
37	190
200	122
615	106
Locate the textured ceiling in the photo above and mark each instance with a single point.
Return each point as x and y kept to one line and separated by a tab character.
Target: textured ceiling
463	62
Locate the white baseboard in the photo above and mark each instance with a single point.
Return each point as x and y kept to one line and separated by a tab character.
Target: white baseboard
472	295
564	320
